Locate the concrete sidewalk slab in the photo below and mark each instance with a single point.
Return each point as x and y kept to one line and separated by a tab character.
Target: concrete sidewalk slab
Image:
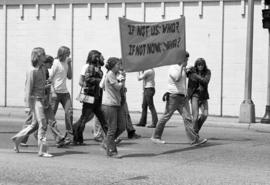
212	121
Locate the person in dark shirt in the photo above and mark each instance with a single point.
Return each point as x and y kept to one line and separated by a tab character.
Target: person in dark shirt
90	84
199	77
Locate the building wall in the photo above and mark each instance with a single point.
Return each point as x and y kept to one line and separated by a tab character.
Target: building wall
215	31
2	55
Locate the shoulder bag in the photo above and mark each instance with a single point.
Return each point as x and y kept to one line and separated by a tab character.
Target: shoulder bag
83	98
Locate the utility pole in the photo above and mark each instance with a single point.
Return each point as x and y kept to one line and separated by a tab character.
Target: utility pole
247	108
266	24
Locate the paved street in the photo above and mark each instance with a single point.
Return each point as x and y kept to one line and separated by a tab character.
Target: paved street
236	154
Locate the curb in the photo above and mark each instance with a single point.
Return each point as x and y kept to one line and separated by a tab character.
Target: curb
212	121
18	112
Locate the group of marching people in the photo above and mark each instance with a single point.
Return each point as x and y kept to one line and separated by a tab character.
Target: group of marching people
45	88
109	103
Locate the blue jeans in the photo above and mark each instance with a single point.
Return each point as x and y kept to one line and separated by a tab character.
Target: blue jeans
198	119
180	103
65	100
87	114
126	120
28	122
148	95
115	126
32	127
39	121
98	131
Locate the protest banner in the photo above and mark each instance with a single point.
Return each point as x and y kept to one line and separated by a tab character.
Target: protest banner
147	45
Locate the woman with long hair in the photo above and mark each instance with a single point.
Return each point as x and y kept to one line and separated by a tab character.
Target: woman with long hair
91	76
199	77
35	101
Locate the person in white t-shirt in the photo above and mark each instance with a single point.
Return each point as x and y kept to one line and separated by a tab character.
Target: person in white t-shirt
148	77
177	100
59	73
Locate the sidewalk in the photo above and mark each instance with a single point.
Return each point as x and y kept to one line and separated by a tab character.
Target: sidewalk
212	121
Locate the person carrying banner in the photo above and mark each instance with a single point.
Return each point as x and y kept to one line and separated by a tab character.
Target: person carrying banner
148	78
199	77
177	100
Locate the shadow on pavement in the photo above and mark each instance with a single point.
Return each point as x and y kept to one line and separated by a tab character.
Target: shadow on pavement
138	178
262	131
139	155
32	145
26	152
78	145
229	139
190	148
9	132
68	153
126	143
176	143
170	151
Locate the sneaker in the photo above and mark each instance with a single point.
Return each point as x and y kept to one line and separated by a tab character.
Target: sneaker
60	143
16	149
23	145
135	136
157	141
117	141
81	143
47	155
199	142
104	146
151	126
67	142
140	125
114	155
98	139
16	145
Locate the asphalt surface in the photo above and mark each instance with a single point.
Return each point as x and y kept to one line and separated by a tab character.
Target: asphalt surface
235	154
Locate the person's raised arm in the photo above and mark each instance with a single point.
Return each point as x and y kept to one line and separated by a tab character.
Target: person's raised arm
81	80
204	79
69	72
142	75
102	82
114	82
176	76
90	77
